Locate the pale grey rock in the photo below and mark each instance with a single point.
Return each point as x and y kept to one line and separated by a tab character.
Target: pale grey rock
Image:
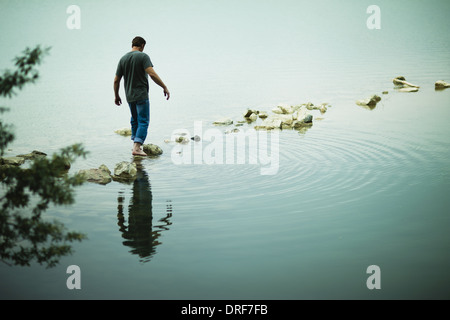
408	89
125	172
102	175
123	132
263	114
302	114
277	110
33	155
372	101
283	110
249	112
303	121
223	122
401	82
182	140
253	117
441	84
269	124
13	161
235	130
152	149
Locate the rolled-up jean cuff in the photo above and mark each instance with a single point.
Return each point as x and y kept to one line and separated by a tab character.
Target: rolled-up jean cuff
138	140
140	118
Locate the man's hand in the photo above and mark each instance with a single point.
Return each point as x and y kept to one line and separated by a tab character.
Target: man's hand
152	73
166	93
117	79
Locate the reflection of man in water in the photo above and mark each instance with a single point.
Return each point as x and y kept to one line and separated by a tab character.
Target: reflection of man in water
139	234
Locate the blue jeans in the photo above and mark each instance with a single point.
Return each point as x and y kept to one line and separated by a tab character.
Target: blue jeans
140	119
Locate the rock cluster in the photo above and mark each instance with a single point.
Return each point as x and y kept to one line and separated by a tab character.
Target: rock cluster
21	158
288	117
400	85
280	117
124	172
12	161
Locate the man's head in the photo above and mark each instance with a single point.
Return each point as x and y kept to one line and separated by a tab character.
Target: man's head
138	42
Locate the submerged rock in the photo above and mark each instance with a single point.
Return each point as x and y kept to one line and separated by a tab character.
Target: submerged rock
102	175
398	80
223	122
235	130
249	112
33	155
408	89
125	172
401	82
182	140
303	115
251	115
372	101
152	149
287	118
311	106
441	84
269	124
263	115
124	131
13	161
283	110
321	107
301	122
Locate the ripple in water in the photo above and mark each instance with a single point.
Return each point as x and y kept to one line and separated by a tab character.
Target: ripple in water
329	163
339	165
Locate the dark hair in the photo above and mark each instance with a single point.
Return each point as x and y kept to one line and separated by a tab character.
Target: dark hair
138	42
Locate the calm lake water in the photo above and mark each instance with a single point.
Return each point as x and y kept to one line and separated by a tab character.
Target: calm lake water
359	188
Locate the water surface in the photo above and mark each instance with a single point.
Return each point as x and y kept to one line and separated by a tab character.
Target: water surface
360	187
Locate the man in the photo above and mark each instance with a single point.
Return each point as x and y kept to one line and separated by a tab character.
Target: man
134	67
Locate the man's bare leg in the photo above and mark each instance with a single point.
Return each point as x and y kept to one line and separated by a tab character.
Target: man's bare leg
137	150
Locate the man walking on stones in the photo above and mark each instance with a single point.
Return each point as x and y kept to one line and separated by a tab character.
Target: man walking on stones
134	68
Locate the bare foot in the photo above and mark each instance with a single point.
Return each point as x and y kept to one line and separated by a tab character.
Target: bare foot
139	153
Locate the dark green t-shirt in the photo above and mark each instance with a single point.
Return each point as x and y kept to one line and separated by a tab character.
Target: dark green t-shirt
132	67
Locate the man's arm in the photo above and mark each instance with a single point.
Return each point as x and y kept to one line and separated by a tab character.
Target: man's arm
118	101
152	73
